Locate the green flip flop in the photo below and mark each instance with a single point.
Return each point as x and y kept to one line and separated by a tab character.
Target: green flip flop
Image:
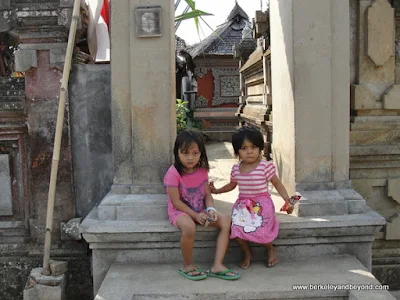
222	274
197	277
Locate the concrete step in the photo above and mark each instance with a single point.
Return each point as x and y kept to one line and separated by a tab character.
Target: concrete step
327	277
376	137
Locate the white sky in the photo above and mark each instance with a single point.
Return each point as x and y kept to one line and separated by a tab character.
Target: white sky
220	10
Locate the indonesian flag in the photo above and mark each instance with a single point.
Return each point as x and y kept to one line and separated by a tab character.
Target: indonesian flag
98	33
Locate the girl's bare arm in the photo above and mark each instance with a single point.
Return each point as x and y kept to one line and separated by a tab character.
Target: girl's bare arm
209	200
280	188
226	188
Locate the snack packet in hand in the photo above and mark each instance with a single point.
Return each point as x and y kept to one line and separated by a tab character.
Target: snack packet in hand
292	201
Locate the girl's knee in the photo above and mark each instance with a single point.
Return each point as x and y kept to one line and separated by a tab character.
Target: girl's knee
188	229
226	222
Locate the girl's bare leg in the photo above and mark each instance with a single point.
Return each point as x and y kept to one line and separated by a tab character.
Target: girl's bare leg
244	245
224	224
272	258
188	227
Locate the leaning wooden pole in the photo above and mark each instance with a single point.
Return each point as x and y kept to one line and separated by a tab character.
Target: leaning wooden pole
58	135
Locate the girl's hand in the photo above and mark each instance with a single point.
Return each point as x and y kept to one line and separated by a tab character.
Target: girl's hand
212	215
212	187
289	208
201	218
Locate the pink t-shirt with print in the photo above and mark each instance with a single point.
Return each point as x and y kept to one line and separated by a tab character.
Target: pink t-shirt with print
191	190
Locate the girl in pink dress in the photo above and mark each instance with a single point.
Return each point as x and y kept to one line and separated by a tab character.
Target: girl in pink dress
253	214
190	202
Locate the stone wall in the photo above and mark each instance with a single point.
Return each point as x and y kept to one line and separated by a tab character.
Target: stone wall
28	113
375	125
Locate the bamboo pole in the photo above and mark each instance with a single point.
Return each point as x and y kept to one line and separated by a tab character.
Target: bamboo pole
58	135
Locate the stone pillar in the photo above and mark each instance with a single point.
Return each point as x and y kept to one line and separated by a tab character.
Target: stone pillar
143	95
143	126
311	76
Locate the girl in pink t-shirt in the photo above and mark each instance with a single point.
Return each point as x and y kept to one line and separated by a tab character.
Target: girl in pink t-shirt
253	214
190	203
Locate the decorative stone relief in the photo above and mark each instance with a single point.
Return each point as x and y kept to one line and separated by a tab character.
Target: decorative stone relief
380	42
201	102
226	85
7	19
394	189
200	72
391	100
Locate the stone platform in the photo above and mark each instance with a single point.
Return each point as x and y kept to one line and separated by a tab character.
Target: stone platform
292	278
134	229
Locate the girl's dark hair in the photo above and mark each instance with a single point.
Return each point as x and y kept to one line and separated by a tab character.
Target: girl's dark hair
183	142
249	133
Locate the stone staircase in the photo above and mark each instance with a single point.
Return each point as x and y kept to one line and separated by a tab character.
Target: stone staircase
136	251
132	241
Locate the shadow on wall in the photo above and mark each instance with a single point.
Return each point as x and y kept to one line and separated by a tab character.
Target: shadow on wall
90	110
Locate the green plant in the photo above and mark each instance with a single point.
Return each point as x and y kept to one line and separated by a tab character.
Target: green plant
194	14
184	116
181	115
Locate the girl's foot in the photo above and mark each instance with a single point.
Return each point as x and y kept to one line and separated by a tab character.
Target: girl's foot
221	268
272	258
245	263
192	270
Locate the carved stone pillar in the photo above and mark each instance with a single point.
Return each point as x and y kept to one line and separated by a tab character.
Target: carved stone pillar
375	102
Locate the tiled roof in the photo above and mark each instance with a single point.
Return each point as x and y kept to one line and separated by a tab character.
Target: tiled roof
179	44
225	36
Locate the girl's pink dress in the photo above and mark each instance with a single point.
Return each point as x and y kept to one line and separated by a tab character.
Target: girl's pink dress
253	214
191	189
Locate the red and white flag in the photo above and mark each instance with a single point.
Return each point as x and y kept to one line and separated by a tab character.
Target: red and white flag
98	33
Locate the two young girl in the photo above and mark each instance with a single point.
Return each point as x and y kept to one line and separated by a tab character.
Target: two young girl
190	201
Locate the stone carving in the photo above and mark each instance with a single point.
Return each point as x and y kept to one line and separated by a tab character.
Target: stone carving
229	86
200	72
226	85
201	102
380	32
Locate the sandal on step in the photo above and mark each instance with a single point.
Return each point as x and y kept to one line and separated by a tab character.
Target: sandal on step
199	276
223	274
